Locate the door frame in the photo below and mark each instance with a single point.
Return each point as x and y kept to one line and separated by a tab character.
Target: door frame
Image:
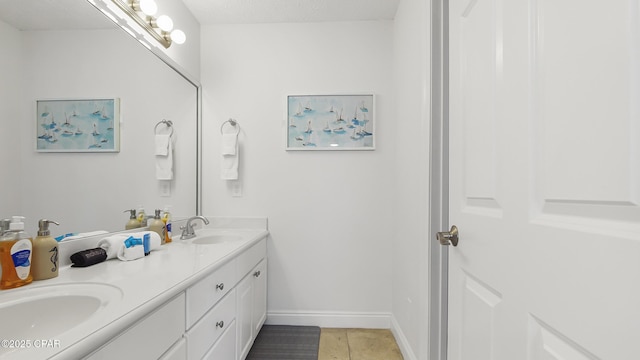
438	179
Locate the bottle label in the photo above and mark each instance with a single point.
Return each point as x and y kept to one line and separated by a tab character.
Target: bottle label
21	255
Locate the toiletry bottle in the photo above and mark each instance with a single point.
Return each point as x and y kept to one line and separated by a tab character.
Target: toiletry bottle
166	218
45	253
133	221
157	225
15	255
142	216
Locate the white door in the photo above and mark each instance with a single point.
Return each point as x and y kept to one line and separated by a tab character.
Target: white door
544	153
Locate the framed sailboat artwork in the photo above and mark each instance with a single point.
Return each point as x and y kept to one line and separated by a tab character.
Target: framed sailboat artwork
78	125
331	122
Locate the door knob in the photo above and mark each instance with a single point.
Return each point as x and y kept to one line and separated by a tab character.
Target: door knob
448	237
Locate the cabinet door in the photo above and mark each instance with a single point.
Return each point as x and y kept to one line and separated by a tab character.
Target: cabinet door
225	348
150	337
244	292
259	313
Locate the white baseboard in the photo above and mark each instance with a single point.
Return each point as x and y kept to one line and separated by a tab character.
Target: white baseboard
403	344
328	319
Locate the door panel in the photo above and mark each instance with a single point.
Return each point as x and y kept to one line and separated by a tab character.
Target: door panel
544	166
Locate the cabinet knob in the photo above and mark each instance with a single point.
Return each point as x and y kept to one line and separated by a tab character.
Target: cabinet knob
257	273
220	324
220	286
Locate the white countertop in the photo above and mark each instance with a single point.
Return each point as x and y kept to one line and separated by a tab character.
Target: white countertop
144	285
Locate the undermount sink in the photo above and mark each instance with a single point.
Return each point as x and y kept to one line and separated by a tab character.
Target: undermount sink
44	312
217	239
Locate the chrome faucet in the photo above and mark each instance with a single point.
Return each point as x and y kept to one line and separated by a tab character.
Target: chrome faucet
187	231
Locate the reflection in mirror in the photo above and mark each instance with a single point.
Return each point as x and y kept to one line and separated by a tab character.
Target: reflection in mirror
86	191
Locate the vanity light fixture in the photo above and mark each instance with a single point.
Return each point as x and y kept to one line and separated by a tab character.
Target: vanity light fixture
160	28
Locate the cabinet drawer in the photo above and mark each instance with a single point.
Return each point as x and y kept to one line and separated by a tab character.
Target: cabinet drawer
150	337
206	293
225	348
212	325
177	352
251	257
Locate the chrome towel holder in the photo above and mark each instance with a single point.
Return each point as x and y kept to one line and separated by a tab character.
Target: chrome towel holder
231	122
168	123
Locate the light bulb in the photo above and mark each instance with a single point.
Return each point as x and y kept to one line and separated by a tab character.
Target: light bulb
178	36
148	7
164	23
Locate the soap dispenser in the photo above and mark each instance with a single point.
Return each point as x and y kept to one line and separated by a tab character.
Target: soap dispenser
157	225
15	255
133	222
45	253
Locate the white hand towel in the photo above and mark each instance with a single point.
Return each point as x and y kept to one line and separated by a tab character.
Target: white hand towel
229	169
229	163
164	164
112	244
229	144
154	239
162	144
131	253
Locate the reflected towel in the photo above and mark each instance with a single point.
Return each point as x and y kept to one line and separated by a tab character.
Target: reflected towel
164	163
229	144
162	144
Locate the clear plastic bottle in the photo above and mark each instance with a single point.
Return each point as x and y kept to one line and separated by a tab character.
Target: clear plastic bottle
142	216
15	255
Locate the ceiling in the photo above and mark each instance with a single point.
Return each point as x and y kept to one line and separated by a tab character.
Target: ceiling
277	11
80	14
52	15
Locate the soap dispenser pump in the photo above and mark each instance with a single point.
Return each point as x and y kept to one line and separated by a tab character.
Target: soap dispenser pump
45	253
133	222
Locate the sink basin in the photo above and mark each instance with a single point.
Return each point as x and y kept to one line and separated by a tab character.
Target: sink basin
44	312
217	239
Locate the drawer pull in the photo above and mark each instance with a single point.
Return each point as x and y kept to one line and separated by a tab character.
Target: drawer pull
257	273
220	324
220	286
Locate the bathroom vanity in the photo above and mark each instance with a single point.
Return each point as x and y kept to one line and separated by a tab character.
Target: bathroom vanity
203	298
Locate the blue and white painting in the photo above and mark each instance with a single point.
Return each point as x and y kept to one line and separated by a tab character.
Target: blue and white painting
330	122
90	125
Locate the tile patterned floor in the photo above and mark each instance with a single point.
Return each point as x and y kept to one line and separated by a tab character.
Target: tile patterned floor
358	344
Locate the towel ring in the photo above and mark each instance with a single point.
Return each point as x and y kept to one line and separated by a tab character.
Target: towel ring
168	123
231	122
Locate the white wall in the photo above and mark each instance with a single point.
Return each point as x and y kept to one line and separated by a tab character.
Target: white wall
410	251
10	95
331	214
89	191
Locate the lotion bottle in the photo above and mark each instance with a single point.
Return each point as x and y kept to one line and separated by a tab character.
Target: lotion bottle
157	225
15	255
166	218
45	253
133	222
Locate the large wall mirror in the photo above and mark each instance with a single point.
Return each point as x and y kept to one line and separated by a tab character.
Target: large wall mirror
69	50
